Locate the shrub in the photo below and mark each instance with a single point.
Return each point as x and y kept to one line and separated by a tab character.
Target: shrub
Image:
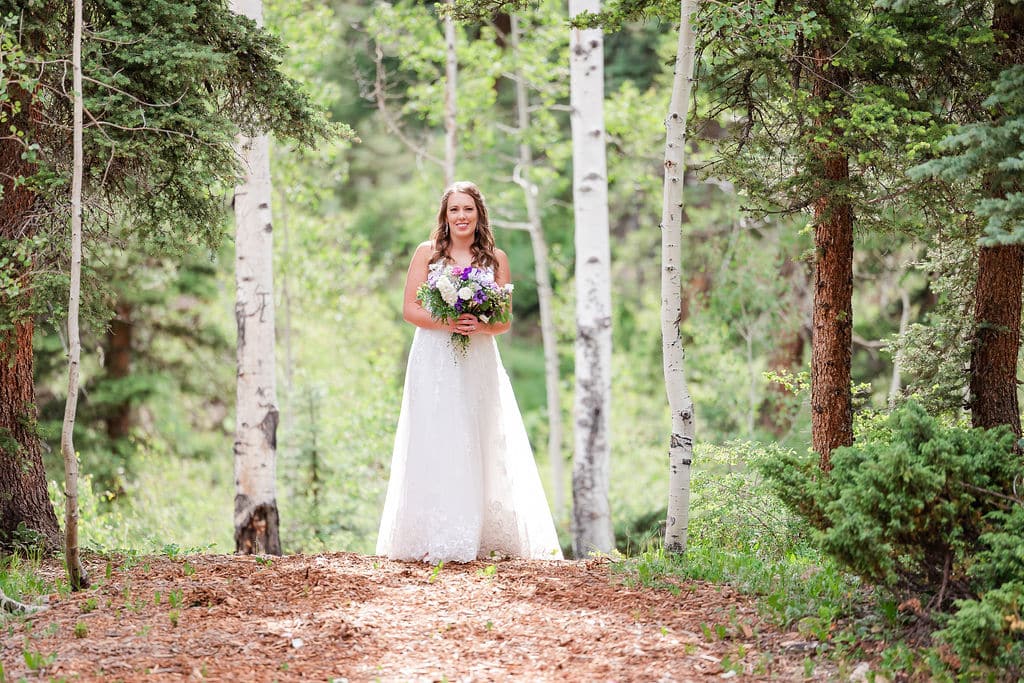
907	505
732	507
990	629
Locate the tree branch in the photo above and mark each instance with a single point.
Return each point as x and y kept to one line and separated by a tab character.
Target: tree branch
14	607
389	119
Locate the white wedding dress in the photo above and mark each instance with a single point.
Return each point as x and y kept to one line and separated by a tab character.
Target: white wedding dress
463	483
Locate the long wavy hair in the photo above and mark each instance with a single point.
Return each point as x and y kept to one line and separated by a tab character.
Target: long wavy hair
483	240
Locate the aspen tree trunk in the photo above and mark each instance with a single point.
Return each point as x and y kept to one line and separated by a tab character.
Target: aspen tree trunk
256	419
831	404
680	448
896	386
542	274
286	304
76	577
14	607
592	523
451	69
997	294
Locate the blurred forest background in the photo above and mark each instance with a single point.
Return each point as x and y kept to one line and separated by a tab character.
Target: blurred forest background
155	422
921	100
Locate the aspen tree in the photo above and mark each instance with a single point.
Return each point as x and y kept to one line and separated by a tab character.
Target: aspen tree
256	417
680	450
592	523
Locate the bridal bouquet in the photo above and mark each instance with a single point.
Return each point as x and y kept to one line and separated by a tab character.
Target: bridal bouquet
451	291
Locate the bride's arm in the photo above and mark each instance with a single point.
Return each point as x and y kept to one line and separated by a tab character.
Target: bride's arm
412	311
503	275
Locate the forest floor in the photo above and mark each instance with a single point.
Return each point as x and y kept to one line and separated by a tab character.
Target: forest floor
346	617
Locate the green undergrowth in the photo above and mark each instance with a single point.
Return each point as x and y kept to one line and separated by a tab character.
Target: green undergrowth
21	580
801	590
807	594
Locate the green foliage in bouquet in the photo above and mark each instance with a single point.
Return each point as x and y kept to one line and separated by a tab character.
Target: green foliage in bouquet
907	506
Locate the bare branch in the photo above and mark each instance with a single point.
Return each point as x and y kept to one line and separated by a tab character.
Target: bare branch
511	225
14	607
379	90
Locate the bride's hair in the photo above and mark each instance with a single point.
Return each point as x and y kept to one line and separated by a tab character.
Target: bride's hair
483	241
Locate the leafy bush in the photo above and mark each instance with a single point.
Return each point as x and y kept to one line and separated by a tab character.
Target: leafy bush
928	511
991	628
732	507
905	507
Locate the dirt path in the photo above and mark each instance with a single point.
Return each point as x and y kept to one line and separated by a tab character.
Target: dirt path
353	618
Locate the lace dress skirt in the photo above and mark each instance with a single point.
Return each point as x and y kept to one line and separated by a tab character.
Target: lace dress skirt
463	483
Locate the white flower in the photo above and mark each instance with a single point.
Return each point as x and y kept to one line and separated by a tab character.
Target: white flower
465	293
483	318
447	289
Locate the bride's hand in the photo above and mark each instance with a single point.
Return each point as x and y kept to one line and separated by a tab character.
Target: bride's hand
466	324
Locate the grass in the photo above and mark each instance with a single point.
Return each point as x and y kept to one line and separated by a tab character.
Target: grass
20	578
807	592
802	588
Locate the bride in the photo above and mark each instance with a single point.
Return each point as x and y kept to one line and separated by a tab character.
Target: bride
463	481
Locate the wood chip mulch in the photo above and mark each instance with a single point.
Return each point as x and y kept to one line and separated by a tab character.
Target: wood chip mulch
346	617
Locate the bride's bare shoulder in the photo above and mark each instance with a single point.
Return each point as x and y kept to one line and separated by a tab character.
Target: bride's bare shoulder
423	252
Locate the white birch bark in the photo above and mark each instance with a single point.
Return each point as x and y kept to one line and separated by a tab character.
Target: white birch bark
286	306
897	358
592	524
542	273
14	607
451	68
256	419
76	576
680	451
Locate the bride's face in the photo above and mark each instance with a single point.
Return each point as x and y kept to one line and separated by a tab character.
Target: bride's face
462	215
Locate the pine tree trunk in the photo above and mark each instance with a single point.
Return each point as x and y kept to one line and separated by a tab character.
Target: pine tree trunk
592	523
256	419
118	363
997	306
832	325
23	496
680	449
542	274
997	294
